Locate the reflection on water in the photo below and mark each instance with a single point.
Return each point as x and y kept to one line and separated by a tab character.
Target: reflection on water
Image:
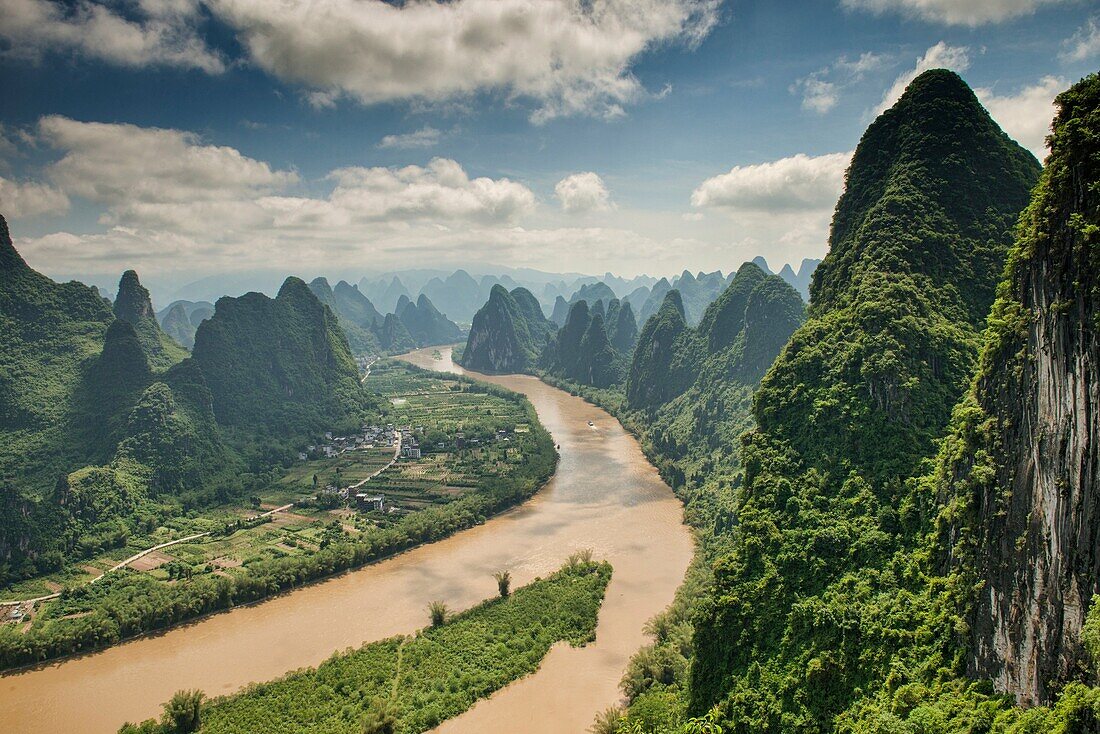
605	496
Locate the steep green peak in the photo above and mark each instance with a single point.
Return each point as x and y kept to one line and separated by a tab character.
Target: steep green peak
725	317
402	303
498	292
123	353
932	196
132	303
672	306
10	259
425	304
578	311
293	289
321	289
934	85
528	304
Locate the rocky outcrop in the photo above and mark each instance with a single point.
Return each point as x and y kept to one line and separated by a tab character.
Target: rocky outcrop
508	333
134	306
1030	480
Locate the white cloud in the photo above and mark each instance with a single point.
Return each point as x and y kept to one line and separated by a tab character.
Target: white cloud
568	56
821	90
440	191
156	177
1026	115
583	192
797	183
29	199
940	56
953	12
211	202
787	203
425	137
162	32
1085	43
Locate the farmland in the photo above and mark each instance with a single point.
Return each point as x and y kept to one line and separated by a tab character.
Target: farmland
478	450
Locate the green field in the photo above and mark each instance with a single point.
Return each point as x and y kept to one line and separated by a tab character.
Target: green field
482	451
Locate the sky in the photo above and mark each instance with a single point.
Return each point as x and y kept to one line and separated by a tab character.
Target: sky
186	138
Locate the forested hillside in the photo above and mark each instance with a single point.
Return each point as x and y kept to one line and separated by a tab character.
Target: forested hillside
594	345
810	602
427	326
409	326
106	429
280	366
508	333
132	304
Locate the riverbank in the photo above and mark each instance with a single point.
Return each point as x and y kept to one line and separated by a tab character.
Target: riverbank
604	496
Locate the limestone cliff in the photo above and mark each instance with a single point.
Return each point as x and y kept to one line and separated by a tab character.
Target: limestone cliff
1028	482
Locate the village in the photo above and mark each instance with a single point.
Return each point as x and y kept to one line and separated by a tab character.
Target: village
405	441
434	441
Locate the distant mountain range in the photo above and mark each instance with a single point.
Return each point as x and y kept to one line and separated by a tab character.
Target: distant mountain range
458	294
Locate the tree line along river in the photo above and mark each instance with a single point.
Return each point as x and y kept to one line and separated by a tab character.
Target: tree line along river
604	496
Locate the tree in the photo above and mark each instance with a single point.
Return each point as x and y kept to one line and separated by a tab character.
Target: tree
438	612
504	582
182	714
381	718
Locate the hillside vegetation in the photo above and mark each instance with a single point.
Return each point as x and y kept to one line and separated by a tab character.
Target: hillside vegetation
508	333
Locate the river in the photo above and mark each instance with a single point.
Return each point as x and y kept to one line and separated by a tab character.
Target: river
604	496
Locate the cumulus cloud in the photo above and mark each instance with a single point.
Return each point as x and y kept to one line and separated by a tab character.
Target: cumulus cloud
799	182
182	196
568	56
30	199
1085	43
119	163
953	12
940	56
439	191
787	203
160	32
581	193
821	90
1027	114
425	137
156	177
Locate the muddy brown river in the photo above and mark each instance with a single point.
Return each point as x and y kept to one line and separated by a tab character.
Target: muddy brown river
605	496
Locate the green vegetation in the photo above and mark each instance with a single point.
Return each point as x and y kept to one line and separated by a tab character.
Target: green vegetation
827	527
357	315
132	304
593	345
411	684
506	457
181	319
280	367
508	333
425	323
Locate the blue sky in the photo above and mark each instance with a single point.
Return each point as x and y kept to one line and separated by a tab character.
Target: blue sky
189	137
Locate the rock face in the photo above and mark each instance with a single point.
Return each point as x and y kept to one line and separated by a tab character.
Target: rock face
134	306
1031	481
508	333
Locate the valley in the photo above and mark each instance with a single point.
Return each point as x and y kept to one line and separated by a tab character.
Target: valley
633	522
